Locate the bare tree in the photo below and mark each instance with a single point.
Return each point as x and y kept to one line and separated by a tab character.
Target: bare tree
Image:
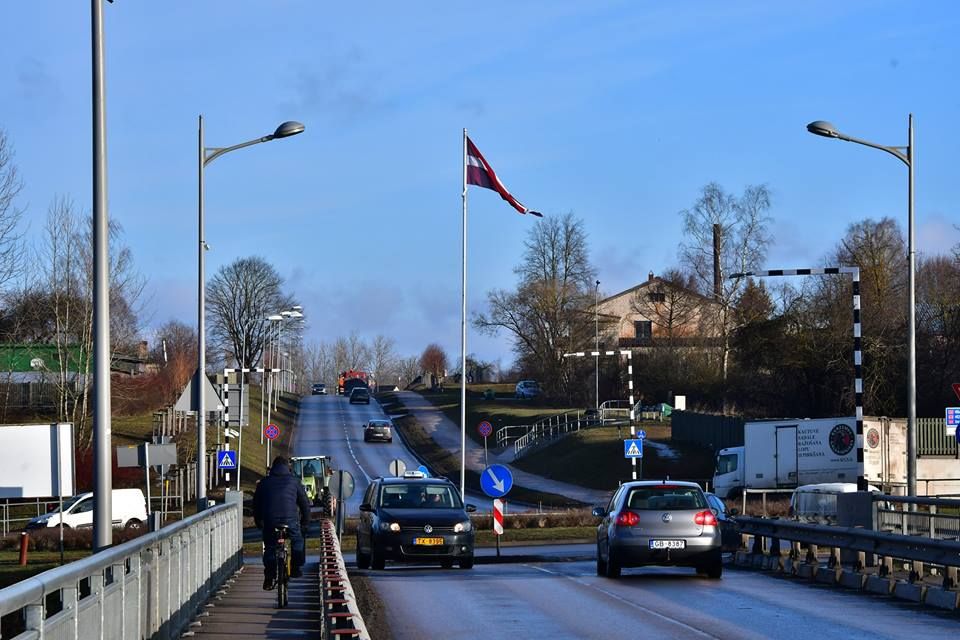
175	351
433	360
382	358
11	249
672	305
408	369
744	237
239	296
318	359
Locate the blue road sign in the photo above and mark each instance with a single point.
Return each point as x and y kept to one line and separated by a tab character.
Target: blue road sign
422	469
633	448
226	460
641	434
953	420
496	481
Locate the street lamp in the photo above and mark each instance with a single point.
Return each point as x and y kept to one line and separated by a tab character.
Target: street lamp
905	155
206	155
596	335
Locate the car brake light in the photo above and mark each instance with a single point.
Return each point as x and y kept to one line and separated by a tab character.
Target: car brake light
628	519
705	519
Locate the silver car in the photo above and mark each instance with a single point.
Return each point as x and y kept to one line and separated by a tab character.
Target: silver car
658	523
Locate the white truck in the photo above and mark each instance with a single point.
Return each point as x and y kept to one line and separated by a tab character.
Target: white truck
783	454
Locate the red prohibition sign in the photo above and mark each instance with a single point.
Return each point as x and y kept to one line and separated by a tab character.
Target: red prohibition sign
271	432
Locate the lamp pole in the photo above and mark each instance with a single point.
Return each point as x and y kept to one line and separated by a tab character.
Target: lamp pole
205	156
906	155
596	335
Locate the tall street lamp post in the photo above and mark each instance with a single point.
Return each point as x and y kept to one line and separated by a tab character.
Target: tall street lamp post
596	336
206	155
906	155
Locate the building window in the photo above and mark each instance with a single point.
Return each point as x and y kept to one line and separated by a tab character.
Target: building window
643	329
657	296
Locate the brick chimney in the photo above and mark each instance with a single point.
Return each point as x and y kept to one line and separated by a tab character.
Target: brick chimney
650	277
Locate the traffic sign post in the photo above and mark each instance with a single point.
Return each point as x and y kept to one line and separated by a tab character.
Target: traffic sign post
953	421
633	451
271	432
226	459
498	505
485	429
397	467
496	481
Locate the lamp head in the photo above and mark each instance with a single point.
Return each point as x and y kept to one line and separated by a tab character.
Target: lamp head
287	129
823	128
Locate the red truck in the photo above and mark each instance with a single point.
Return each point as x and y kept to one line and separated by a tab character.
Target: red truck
348	380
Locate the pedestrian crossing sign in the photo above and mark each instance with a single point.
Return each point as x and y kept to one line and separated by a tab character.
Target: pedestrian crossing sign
633	448
227	460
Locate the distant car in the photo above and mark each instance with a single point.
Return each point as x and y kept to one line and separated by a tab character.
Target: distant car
527	389
378	430
319	389
129	508
728	529
658	523
414	519
360	395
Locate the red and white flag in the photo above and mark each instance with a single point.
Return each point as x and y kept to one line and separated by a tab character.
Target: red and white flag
480	173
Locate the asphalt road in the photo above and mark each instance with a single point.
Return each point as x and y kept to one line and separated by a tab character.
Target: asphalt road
567	600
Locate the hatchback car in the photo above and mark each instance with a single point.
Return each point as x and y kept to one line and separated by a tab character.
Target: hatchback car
527	389
414	519
318	389
658	523
360	395
378	430
728	528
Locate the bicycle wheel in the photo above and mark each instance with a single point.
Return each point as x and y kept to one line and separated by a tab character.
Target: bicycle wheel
282	577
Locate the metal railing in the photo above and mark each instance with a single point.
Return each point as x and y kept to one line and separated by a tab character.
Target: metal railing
918	516
513	432
341	612
149	587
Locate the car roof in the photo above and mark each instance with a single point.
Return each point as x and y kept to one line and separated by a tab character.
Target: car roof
393	480
659	483
379	420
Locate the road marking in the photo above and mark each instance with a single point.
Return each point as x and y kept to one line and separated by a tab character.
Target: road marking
655	614
346	435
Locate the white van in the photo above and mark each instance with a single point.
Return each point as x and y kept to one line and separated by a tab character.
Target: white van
129	511
817	503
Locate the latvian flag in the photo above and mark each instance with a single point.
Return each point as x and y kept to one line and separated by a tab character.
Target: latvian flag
481	174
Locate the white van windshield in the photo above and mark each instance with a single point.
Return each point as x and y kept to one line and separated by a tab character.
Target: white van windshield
726	463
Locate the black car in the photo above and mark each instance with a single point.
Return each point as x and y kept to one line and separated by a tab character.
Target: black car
414	519
318	389
360	395
378	430
728	529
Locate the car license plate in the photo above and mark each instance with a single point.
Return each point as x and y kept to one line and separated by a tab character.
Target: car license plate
668	544
428	542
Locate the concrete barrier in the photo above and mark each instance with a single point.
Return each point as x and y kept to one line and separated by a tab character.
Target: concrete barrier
883	586
852	579
914	592
942	598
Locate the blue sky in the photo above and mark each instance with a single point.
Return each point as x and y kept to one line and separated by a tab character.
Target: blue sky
617	111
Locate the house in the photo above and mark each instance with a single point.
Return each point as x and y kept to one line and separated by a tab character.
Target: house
657	313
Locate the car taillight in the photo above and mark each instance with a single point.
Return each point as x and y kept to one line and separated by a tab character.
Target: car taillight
628	519
705	519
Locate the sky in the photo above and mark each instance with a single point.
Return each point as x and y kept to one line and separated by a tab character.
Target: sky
616	111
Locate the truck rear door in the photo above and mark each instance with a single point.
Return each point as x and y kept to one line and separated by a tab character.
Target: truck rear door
787	455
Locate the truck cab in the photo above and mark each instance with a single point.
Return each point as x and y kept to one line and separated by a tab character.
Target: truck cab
728	480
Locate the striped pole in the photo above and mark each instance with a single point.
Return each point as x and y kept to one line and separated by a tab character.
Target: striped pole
629	355
854	273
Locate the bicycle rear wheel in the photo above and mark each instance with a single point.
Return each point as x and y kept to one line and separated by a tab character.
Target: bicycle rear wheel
283	576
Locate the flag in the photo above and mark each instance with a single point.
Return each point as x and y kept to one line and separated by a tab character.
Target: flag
480	173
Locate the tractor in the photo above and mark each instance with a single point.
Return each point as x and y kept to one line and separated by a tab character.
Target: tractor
314	473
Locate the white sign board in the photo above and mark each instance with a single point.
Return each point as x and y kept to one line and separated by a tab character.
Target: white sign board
36	460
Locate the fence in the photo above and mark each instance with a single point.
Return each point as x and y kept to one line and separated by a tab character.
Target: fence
714	432
932	438
149	587
918	516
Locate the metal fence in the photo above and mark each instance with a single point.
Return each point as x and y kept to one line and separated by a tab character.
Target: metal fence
714	432
149	587
932	438
936	518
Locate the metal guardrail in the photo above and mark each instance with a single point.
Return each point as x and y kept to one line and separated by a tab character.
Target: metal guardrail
341	614
149	587
909	520
513	432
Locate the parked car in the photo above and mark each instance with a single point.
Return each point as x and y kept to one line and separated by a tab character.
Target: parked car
318	389
527	389
729	536
128	506
378	430
658	523
414	519
360	395
817	503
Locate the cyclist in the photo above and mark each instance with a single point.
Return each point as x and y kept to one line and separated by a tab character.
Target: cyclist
280	499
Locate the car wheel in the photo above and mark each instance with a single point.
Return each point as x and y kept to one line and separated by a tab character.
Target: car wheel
390	440
601	564
363	559
613	566
714	571
377	561
466	563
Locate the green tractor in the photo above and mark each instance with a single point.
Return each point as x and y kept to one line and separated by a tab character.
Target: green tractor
314	473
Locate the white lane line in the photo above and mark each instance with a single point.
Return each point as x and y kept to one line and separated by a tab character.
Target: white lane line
346	435
630	603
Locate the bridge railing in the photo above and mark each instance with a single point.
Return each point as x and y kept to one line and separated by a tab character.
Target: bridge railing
149	587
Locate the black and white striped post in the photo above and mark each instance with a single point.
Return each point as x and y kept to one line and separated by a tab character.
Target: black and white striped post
226	407
621	353
854	273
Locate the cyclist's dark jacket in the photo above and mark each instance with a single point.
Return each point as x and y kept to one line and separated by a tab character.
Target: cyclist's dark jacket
280	499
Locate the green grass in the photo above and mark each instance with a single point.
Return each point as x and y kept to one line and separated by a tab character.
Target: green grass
594	458
37	562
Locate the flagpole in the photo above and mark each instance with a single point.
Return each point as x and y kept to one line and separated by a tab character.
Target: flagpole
463	334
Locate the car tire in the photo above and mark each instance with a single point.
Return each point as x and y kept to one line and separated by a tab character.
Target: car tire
613	566
714	570
466	563
389	440
363	559
601	564
377	561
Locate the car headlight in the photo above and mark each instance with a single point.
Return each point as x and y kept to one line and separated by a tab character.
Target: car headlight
390	526
463	527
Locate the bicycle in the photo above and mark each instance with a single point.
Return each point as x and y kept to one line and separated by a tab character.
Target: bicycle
282	558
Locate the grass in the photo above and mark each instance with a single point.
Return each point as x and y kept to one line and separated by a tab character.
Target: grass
594	458
37	562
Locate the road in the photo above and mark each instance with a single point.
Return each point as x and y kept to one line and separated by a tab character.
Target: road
567	600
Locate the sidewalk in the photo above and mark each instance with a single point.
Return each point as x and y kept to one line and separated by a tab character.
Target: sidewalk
447	434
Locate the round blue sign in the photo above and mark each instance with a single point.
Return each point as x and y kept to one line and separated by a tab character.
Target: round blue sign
496	481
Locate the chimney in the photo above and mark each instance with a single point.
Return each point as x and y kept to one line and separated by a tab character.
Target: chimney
717	274
650	277
143	352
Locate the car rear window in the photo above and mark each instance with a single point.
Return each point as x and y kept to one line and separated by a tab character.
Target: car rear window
662	497
419	496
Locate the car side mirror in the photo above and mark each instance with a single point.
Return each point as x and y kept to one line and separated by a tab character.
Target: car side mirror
599	512
470	508
734	511
366	506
